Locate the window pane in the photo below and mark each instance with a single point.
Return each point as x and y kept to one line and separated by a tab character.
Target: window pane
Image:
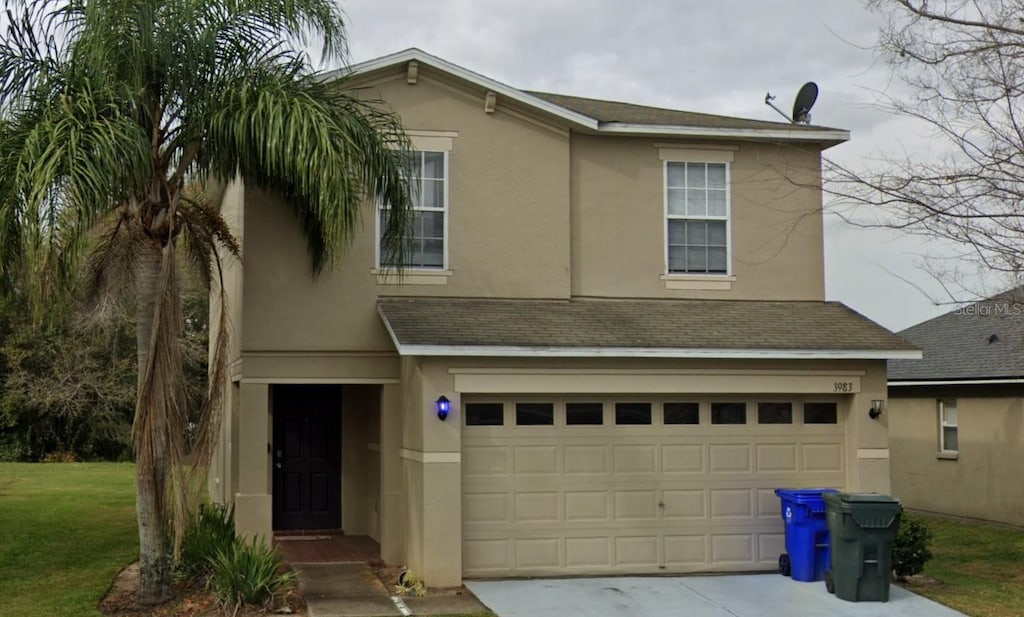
775	413
716	233
716	175
697	259
949	414
429	224
433	194
950	440
632	413
535	414
677	202
681	413
485	414
676	259
695	175
716	203
728	413
696	233
584	413
430	254
433	165
696	202
676	232
820	413
676	174
716	260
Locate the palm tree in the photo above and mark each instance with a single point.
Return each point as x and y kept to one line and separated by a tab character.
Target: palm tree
109	111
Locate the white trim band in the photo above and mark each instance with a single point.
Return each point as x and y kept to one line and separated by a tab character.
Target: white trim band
873	453
430	457
955	382
650	352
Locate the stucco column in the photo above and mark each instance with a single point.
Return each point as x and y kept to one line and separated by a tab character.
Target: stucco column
392	506
867	439
253	515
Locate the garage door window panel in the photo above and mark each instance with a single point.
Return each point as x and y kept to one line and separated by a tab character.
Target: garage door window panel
774	413
728	413
584	414
632	414
681	413
535	414
485	414
821	413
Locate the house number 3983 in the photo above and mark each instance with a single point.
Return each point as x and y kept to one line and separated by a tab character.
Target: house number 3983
842	386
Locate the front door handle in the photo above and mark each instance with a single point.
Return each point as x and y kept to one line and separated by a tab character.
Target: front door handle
278	465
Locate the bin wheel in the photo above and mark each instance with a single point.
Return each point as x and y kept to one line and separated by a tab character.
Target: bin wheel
785	567
830	583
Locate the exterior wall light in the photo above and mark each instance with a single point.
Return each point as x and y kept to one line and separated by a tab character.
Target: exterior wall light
443	407
876	409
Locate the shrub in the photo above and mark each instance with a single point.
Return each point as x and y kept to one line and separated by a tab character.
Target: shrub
911	552
410	585
248	573
212	529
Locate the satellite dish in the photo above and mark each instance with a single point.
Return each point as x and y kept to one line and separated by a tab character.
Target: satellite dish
801	106
804	102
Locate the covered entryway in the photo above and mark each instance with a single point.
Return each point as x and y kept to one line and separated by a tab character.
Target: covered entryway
306	457
631	484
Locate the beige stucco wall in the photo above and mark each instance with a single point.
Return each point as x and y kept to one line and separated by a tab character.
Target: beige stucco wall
618	205
508	229
983	481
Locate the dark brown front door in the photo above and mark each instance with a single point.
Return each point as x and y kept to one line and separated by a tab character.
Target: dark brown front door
307	457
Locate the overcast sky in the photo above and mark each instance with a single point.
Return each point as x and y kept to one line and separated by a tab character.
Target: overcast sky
716	57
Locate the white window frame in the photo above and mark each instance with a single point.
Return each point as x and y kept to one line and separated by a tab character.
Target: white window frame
417	208
727	218
943	425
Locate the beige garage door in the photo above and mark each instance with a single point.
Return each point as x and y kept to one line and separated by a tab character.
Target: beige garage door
637	485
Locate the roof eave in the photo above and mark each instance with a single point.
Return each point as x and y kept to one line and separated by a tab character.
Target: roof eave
906	383
827	137
486	82
514	351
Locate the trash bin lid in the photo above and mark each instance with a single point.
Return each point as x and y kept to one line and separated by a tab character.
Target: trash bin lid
801	495
868	498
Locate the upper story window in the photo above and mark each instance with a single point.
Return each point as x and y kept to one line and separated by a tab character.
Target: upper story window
428	243
949	439
697	208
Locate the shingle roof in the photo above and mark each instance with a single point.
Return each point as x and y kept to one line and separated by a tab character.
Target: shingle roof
984	340
629	113
634	324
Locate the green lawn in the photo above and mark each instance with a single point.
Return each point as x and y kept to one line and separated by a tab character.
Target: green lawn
65	531
978	569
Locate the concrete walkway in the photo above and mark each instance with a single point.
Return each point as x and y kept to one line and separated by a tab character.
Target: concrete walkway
352	589
755	595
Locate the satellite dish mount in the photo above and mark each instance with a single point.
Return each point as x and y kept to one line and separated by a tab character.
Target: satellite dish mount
802	105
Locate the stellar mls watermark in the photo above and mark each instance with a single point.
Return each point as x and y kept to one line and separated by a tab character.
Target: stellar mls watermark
991	309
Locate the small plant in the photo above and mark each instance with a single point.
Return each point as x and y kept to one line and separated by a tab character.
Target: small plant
247	573
911	550
212	529
60	456
409	585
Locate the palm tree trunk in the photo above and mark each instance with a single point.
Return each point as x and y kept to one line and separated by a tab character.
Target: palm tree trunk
154	553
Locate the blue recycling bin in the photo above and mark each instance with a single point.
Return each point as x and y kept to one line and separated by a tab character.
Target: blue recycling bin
807	544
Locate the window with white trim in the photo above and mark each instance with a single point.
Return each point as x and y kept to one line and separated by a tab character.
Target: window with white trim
697	209
949	439
428	239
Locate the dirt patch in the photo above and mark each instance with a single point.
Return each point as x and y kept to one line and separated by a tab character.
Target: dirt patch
191	599
920	581
389	576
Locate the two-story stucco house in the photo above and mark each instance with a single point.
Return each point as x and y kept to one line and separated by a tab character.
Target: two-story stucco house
624	308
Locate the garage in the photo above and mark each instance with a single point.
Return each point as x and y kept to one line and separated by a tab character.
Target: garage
605	484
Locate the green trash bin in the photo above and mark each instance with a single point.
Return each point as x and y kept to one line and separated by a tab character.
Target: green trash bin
863	528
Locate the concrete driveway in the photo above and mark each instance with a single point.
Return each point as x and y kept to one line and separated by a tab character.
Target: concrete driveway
752	595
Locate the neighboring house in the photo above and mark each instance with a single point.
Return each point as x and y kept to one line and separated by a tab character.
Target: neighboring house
956	418
624	307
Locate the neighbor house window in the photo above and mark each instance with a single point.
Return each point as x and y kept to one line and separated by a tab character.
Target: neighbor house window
697	207
949	440
427	239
